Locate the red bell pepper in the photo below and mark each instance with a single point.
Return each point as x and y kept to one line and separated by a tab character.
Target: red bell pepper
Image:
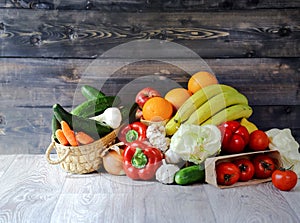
235	137
132	132
141	160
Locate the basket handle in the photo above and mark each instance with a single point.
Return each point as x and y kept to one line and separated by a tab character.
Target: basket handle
55	162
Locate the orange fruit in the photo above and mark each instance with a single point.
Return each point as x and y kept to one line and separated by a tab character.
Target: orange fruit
177	96
200	80
157	109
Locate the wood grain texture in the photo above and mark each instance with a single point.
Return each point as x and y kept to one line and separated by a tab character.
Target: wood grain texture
259	203
43	82
5	162
263	33
40	192
95	198
169	203
292	198
29	190
143	5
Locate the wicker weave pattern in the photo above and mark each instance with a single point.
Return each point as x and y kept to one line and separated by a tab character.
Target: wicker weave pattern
81	159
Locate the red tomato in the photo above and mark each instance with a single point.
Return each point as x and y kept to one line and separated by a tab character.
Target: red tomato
227	173
264	166
246	167
258	140
284	179
234	137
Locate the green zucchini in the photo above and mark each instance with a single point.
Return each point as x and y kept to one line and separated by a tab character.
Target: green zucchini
91	127
190	175
95	107
90	92
55	125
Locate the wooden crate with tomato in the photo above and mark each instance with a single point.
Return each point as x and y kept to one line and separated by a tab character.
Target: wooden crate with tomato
220	172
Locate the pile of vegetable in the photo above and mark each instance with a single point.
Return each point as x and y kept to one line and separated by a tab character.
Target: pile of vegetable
171	144
89	121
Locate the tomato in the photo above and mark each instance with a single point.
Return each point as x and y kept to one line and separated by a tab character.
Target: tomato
246	167
264	166
227	173
258	140
234	137
284	179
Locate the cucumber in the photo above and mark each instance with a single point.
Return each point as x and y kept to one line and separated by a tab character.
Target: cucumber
55	125
91	127
190	174
95	107
90	92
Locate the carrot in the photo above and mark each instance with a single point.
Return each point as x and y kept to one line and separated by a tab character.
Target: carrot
61	137
83	138
69	133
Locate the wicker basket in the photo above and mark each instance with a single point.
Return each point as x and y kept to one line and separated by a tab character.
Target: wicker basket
81	159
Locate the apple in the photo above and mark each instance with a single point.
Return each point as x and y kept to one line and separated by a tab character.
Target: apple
144	94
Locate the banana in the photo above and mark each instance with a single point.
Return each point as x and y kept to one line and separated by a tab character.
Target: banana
216	104
250	126
172	126
193	103
233	112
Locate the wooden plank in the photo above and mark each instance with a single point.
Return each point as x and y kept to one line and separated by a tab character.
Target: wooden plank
5	162
171	203
87	34
3	4
250	204
43	82
143	5
194	5
25	130
103	196
95	198
293	197
39	192
30	189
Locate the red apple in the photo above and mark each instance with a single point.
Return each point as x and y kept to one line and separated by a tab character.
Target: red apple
144	94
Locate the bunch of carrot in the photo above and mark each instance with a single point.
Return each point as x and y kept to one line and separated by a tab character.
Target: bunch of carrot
66	136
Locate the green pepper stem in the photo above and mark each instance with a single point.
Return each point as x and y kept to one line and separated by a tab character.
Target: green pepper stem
131	135
139	159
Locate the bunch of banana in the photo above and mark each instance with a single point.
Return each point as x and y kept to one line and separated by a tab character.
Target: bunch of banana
213	104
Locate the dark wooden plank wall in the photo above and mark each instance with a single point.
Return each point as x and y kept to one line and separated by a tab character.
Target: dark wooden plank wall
46	47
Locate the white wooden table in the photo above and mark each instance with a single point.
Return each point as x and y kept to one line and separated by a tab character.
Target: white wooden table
31	190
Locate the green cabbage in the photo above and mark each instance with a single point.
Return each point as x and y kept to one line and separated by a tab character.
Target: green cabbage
195	143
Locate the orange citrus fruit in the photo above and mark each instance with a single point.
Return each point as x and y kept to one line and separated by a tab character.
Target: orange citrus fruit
177	96
157	109
200	80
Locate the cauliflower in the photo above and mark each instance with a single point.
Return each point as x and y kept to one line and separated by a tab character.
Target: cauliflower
156	135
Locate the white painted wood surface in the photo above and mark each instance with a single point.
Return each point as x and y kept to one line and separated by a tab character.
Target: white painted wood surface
32	191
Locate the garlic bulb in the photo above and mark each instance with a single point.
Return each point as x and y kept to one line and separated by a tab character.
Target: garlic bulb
166	172
111	116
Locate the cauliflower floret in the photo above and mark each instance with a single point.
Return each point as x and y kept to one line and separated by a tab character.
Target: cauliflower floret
156	135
